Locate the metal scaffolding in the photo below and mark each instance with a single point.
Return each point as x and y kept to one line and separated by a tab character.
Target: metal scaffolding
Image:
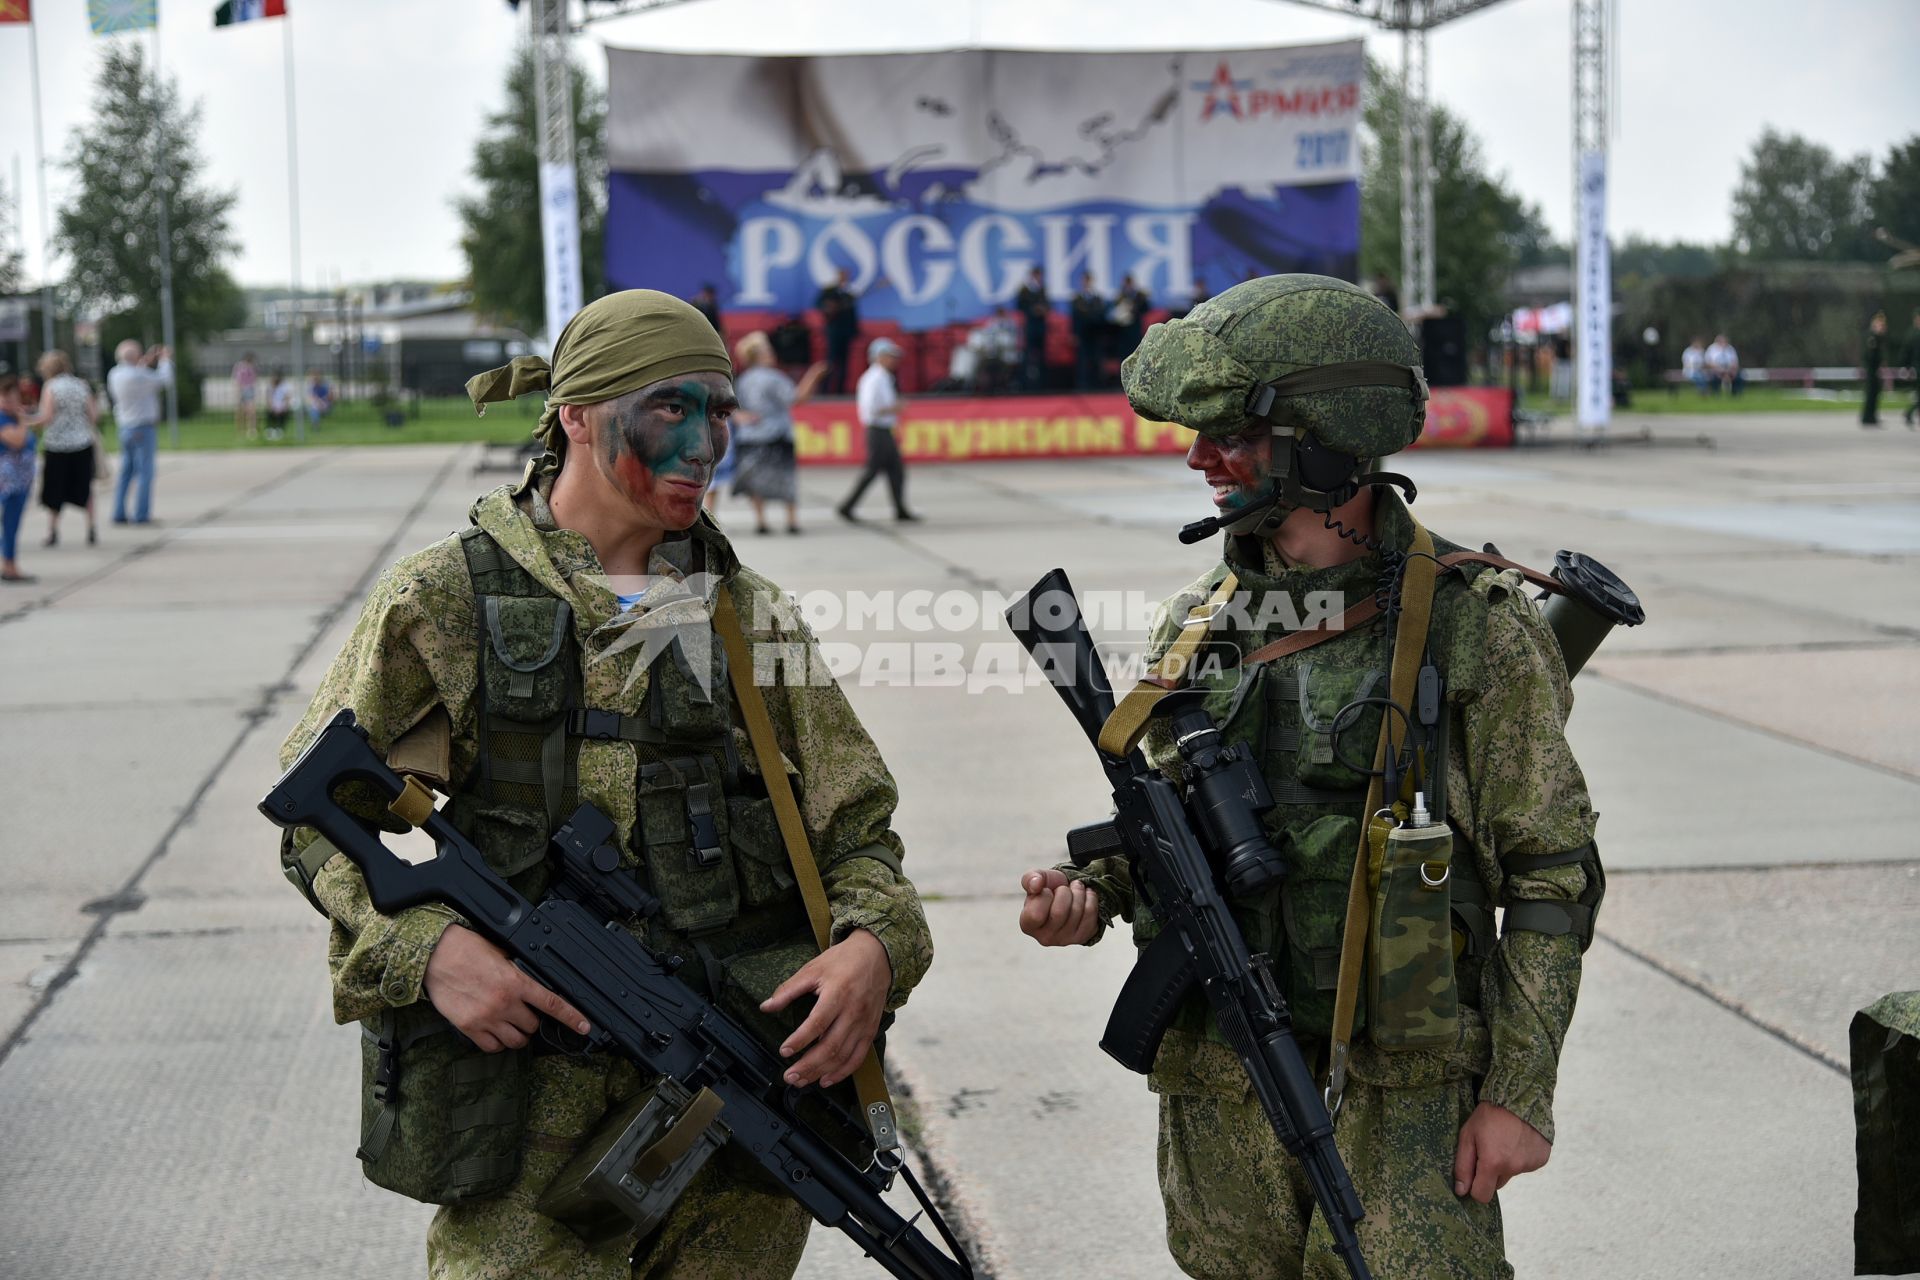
1413	19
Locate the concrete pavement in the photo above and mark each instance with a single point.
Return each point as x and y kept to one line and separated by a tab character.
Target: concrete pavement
175	1095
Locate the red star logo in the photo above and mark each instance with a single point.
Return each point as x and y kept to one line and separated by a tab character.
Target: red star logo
1223	94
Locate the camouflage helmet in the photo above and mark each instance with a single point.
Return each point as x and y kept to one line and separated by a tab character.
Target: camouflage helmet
1212	370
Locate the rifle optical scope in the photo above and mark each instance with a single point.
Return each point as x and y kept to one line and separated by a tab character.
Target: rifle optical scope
1228	795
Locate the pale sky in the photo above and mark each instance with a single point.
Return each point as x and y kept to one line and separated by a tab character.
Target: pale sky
393	93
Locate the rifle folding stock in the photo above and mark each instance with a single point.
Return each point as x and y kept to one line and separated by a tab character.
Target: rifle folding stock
575	943
1176	848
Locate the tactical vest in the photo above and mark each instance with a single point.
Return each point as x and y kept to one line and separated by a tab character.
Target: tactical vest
1288	713
442	1119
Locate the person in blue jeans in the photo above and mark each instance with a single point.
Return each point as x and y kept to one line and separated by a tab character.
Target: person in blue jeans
136	383
16	478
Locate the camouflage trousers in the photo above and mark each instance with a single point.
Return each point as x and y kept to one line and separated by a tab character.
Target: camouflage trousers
1239	1208
725	1227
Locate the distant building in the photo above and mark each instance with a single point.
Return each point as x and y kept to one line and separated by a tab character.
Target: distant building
406	336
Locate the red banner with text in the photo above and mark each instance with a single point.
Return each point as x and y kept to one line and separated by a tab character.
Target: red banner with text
980	429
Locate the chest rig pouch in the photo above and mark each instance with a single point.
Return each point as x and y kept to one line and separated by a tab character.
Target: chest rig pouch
442	1120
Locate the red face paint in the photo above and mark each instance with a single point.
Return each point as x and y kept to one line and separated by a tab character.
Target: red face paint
1240	467
660	447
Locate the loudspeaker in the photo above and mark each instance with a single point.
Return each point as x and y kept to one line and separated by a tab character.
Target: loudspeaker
1443	350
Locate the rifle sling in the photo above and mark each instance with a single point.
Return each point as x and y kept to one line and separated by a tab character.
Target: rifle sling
1128	721
869	1079
1409	644
1368	609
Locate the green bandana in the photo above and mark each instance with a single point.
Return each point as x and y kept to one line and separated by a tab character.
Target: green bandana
613	345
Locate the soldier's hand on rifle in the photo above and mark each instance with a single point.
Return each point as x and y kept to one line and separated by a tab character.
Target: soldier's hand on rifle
849	982
1496	1146
476	988
1058	912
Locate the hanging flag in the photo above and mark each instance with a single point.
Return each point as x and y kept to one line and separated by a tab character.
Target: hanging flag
111	17
16	10
247	10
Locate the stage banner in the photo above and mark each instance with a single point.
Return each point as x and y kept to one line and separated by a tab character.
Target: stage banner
984	429
937	181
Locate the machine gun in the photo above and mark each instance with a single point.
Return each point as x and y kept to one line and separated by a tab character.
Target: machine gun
1183	845
725	1085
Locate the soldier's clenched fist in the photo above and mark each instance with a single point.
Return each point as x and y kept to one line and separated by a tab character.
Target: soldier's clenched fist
1058	912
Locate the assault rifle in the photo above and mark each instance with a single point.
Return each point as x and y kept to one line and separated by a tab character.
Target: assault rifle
729	1086
1182	845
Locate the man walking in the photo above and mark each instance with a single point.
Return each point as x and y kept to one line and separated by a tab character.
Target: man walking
136	384
878	403
1911	358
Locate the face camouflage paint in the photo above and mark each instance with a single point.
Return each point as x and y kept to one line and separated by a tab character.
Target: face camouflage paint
1239	467
660	446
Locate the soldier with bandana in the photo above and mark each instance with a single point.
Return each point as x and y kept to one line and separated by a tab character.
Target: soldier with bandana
557	652
1296	385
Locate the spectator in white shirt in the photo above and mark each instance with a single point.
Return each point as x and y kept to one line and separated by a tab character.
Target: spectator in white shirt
1723	366
1693	364
136	384
877	400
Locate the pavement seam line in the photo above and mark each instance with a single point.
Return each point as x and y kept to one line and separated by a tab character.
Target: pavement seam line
940	1181
166	537
1731	1005
251	719
1777	735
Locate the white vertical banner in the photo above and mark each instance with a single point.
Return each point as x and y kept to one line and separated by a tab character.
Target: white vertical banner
1593	321
560	234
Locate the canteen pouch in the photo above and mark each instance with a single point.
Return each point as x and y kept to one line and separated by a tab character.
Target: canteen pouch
441	1119
636	1166
1413	1001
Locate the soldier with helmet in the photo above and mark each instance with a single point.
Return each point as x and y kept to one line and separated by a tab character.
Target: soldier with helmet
561	650
1297	387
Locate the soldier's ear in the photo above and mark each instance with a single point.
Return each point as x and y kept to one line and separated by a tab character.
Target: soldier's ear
576	421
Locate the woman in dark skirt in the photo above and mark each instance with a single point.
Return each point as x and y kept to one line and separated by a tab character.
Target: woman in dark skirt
66	421
763	431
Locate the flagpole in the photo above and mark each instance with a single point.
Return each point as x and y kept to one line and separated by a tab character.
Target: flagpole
293	231
40	169
166	237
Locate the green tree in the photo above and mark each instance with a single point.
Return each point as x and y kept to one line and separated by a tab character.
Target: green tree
1639	257
109	228
1483	230
1893	200
1798	202
500	223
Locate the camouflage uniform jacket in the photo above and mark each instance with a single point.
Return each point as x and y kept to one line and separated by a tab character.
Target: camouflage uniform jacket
1513	789
413	650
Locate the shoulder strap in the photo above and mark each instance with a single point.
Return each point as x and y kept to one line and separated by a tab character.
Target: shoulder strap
1128	721
869	1079
1409	642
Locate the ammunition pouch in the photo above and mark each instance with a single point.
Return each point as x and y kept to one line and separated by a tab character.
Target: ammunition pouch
635	1167
441	1118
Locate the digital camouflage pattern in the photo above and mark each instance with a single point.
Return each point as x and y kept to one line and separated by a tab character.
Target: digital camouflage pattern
1238	1207
1201	371
1511	788
1885	1040
413	650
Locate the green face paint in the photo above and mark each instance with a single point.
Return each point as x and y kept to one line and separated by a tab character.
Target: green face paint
661	444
